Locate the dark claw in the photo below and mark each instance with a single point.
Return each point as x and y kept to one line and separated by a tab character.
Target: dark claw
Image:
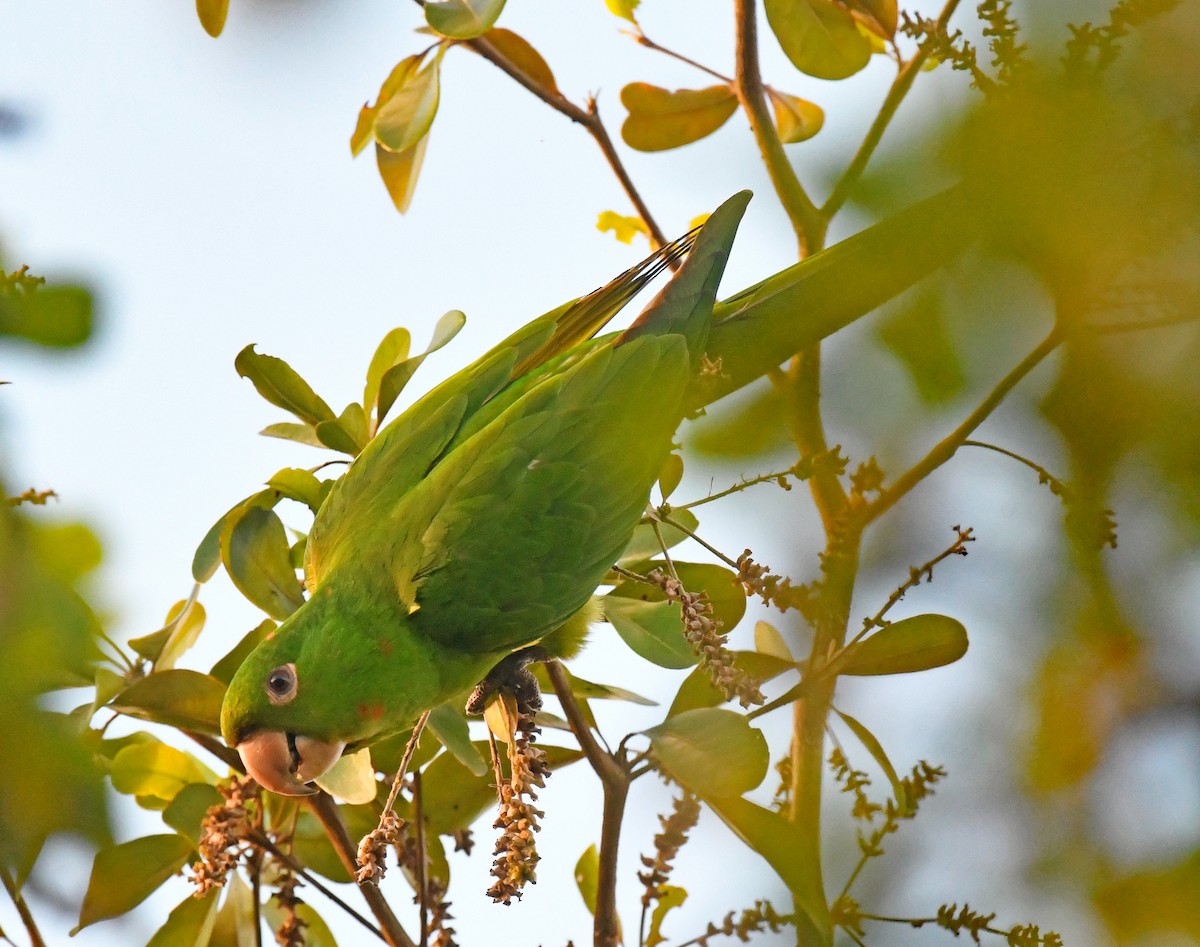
512	675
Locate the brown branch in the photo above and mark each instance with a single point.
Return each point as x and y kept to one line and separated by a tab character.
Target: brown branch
643	40
35	936
900	86
946	449
614	777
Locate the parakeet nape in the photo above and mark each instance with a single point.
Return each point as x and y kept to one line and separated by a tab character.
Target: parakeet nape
478	522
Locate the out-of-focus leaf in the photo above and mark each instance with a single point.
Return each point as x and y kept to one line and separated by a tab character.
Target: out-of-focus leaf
190	922
392	350
516	49
917	335
352	778
316	931
710	751
587	876
234	926
750	424
58	317
224	669
911	644
462	19
768	640
212	15
180	626
670	896
623	8
300	485
697	689
179	698
254	548
875	748
660	119
278	382
405	118
622	227
644	543
449	725
787	849
653	630
670	475
796	119
69	551
290	431
819	37
125	875
878	16
188	808
153	768
394	380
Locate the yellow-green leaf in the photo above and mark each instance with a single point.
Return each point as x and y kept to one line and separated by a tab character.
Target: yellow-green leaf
909	645
698	690
189	807
153	768
670	475
660	119
189	923
212	15
448	723
517	50
278	382
348	433
710	751
654	630
392	350
587	874
462	19
819	37
123	876
316	931
768	640
878	16
875	748
235	922
289	431
622	227
255	551
623	8
178	698
400	172
404	119
395	378
364	130
352	778
165	646
670	896
645	545
796	119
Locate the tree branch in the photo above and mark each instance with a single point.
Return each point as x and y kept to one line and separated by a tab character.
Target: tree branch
31	928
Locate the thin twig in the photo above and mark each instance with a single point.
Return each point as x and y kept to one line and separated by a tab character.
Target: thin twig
256	883
675	524
946	449
643	40
1164	322
409	749
35	936
422	882
743	485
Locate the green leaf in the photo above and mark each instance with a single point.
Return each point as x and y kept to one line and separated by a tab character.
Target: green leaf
875	748
697	689
794	856
399	172
235	924
185	628
660	119
212	15
587	876
300	485
352	778
278	382
917	334
879	16
670	475
289	431
623	8
348	433
909	645
123	876
819	37
645	545
590	689
768	640
516	50
178	698
796	119
316	931
744	426
449	725
462	19
189	924
188	808
406	116
726	596
254	548
710	751
391	351
653	630
153	768
671	896
395	378
224	669
364	130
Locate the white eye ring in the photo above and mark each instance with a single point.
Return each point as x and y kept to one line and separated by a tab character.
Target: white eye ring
281	684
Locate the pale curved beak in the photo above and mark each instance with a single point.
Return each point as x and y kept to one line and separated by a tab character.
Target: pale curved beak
283	763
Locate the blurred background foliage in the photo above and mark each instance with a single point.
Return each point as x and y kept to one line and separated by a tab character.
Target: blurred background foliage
1078	202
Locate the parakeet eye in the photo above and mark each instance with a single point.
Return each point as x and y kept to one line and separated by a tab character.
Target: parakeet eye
281	684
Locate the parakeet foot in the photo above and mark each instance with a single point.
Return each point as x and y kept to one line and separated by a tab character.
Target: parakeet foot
512	674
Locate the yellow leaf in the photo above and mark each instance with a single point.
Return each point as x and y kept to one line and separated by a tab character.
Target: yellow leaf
796	119
518	51
404	117
364	131
698	221
352	778
660	119
820	37
623	228
212	15
400	171
501	716
878	16
623	8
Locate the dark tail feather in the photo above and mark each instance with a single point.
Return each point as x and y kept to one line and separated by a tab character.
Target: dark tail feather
685	304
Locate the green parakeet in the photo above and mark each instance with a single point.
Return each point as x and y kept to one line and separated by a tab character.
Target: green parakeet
478	522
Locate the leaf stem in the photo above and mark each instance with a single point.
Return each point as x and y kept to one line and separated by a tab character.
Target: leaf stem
18	900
